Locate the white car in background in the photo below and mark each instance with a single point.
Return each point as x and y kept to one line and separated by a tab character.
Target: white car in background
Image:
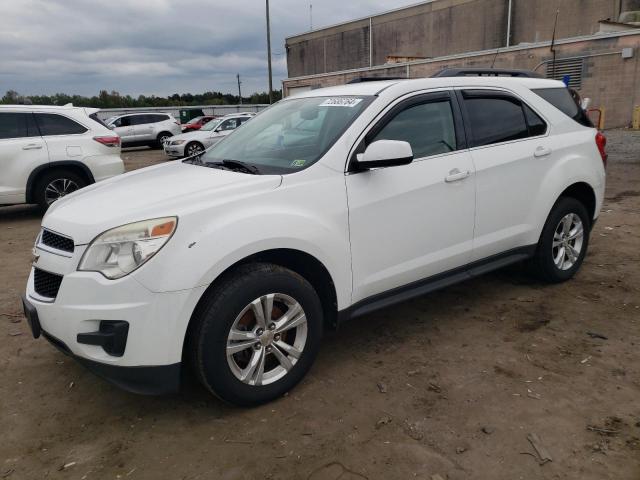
48	152
139	129
192	143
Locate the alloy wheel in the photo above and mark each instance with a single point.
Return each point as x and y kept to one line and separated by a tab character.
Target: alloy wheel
568	239
266	339
193	149
59	188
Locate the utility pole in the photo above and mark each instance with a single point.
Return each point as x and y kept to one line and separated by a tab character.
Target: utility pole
311	16
239	91
269	56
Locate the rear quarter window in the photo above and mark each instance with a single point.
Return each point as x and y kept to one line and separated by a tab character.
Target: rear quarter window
561	99
54	124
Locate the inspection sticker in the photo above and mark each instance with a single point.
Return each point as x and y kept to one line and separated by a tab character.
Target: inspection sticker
340	102
298	163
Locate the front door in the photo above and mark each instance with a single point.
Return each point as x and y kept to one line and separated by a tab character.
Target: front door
411	222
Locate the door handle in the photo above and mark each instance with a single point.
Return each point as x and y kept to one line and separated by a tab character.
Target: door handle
32	146
542	151
456	175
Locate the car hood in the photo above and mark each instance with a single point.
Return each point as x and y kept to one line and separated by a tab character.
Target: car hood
159	191
195	134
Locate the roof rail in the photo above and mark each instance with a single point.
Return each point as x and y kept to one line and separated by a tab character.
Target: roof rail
374	79
486	72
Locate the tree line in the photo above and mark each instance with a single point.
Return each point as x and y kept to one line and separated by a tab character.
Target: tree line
113	99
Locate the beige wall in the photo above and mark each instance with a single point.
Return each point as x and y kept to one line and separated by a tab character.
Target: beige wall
443	27
609	80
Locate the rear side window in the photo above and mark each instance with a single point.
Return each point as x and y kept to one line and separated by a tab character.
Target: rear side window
95	118
428	127
498	117
54	124
17	125
561	99
155	118
136	119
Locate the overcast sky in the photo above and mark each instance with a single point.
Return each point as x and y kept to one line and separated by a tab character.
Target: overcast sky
155	46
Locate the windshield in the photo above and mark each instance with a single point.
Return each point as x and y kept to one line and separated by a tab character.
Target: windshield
291	135
211	125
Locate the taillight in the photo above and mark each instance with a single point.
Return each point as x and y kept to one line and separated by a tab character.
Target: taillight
112	141
601	142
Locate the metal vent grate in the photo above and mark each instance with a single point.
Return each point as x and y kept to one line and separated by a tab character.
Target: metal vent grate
57	241
572	67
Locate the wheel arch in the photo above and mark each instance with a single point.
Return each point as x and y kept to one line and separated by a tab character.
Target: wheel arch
73	165
585	194
303	263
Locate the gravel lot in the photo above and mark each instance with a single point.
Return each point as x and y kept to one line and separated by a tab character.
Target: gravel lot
449	384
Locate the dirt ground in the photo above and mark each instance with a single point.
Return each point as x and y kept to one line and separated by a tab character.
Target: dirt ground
449	384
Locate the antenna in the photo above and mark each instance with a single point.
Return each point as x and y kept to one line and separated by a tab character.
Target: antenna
553	44
494	57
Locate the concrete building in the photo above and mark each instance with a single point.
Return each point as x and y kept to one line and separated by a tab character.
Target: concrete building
597	44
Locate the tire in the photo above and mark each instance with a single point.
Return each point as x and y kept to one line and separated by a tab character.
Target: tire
55	184
161	138
554	262
229	305
193	148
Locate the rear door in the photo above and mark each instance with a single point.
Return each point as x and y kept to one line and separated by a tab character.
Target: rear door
143	127
64	136
22	150
411	222
511	152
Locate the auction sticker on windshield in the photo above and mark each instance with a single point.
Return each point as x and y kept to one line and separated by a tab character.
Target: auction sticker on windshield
340	102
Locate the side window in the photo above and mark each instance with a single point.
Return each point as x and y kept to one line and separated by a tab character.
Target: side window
494	118
229	124
428	127
138	119
54	124
537	125
17	125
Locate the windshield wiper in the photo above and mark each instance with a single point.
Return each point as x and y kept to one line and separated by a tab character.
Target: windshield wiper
247	167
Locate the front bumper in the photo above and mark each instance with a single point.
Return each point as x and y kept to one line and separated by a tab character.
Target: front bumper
89	308
147	380
174	150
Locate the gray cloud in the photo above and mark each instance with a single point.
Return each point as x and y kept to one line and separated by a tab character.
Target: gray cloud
155	46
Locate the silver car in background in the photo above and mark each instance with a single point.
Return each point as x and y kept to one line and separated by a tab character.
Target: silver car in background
152	129
191	143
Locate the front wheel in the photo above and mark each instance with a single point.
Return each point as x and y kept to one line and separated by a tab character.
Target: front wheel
256	334
192	149
564	241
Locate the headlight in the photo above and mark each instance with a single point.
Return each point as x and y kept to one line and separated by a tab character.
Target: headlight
178	142
119	251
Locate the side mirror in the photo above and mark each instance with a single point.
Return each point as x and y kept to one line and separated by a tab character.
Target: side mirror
385	153
111	127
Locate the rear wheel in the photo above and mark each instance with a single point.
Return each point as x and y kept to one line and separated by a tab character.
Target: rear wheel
256	335
56	184
564	241
162	139
193	148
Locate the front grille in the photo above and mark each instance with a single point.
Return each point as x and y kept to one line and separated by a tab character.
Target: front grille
45	283
56	241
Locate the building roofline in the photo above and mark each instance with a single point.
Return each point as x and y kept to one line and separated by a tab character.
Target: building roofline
359	19
477	53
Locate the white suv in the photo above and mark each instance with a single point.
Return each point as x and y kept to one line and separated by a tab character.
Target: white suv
324	207
138	129
49	152
192	143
